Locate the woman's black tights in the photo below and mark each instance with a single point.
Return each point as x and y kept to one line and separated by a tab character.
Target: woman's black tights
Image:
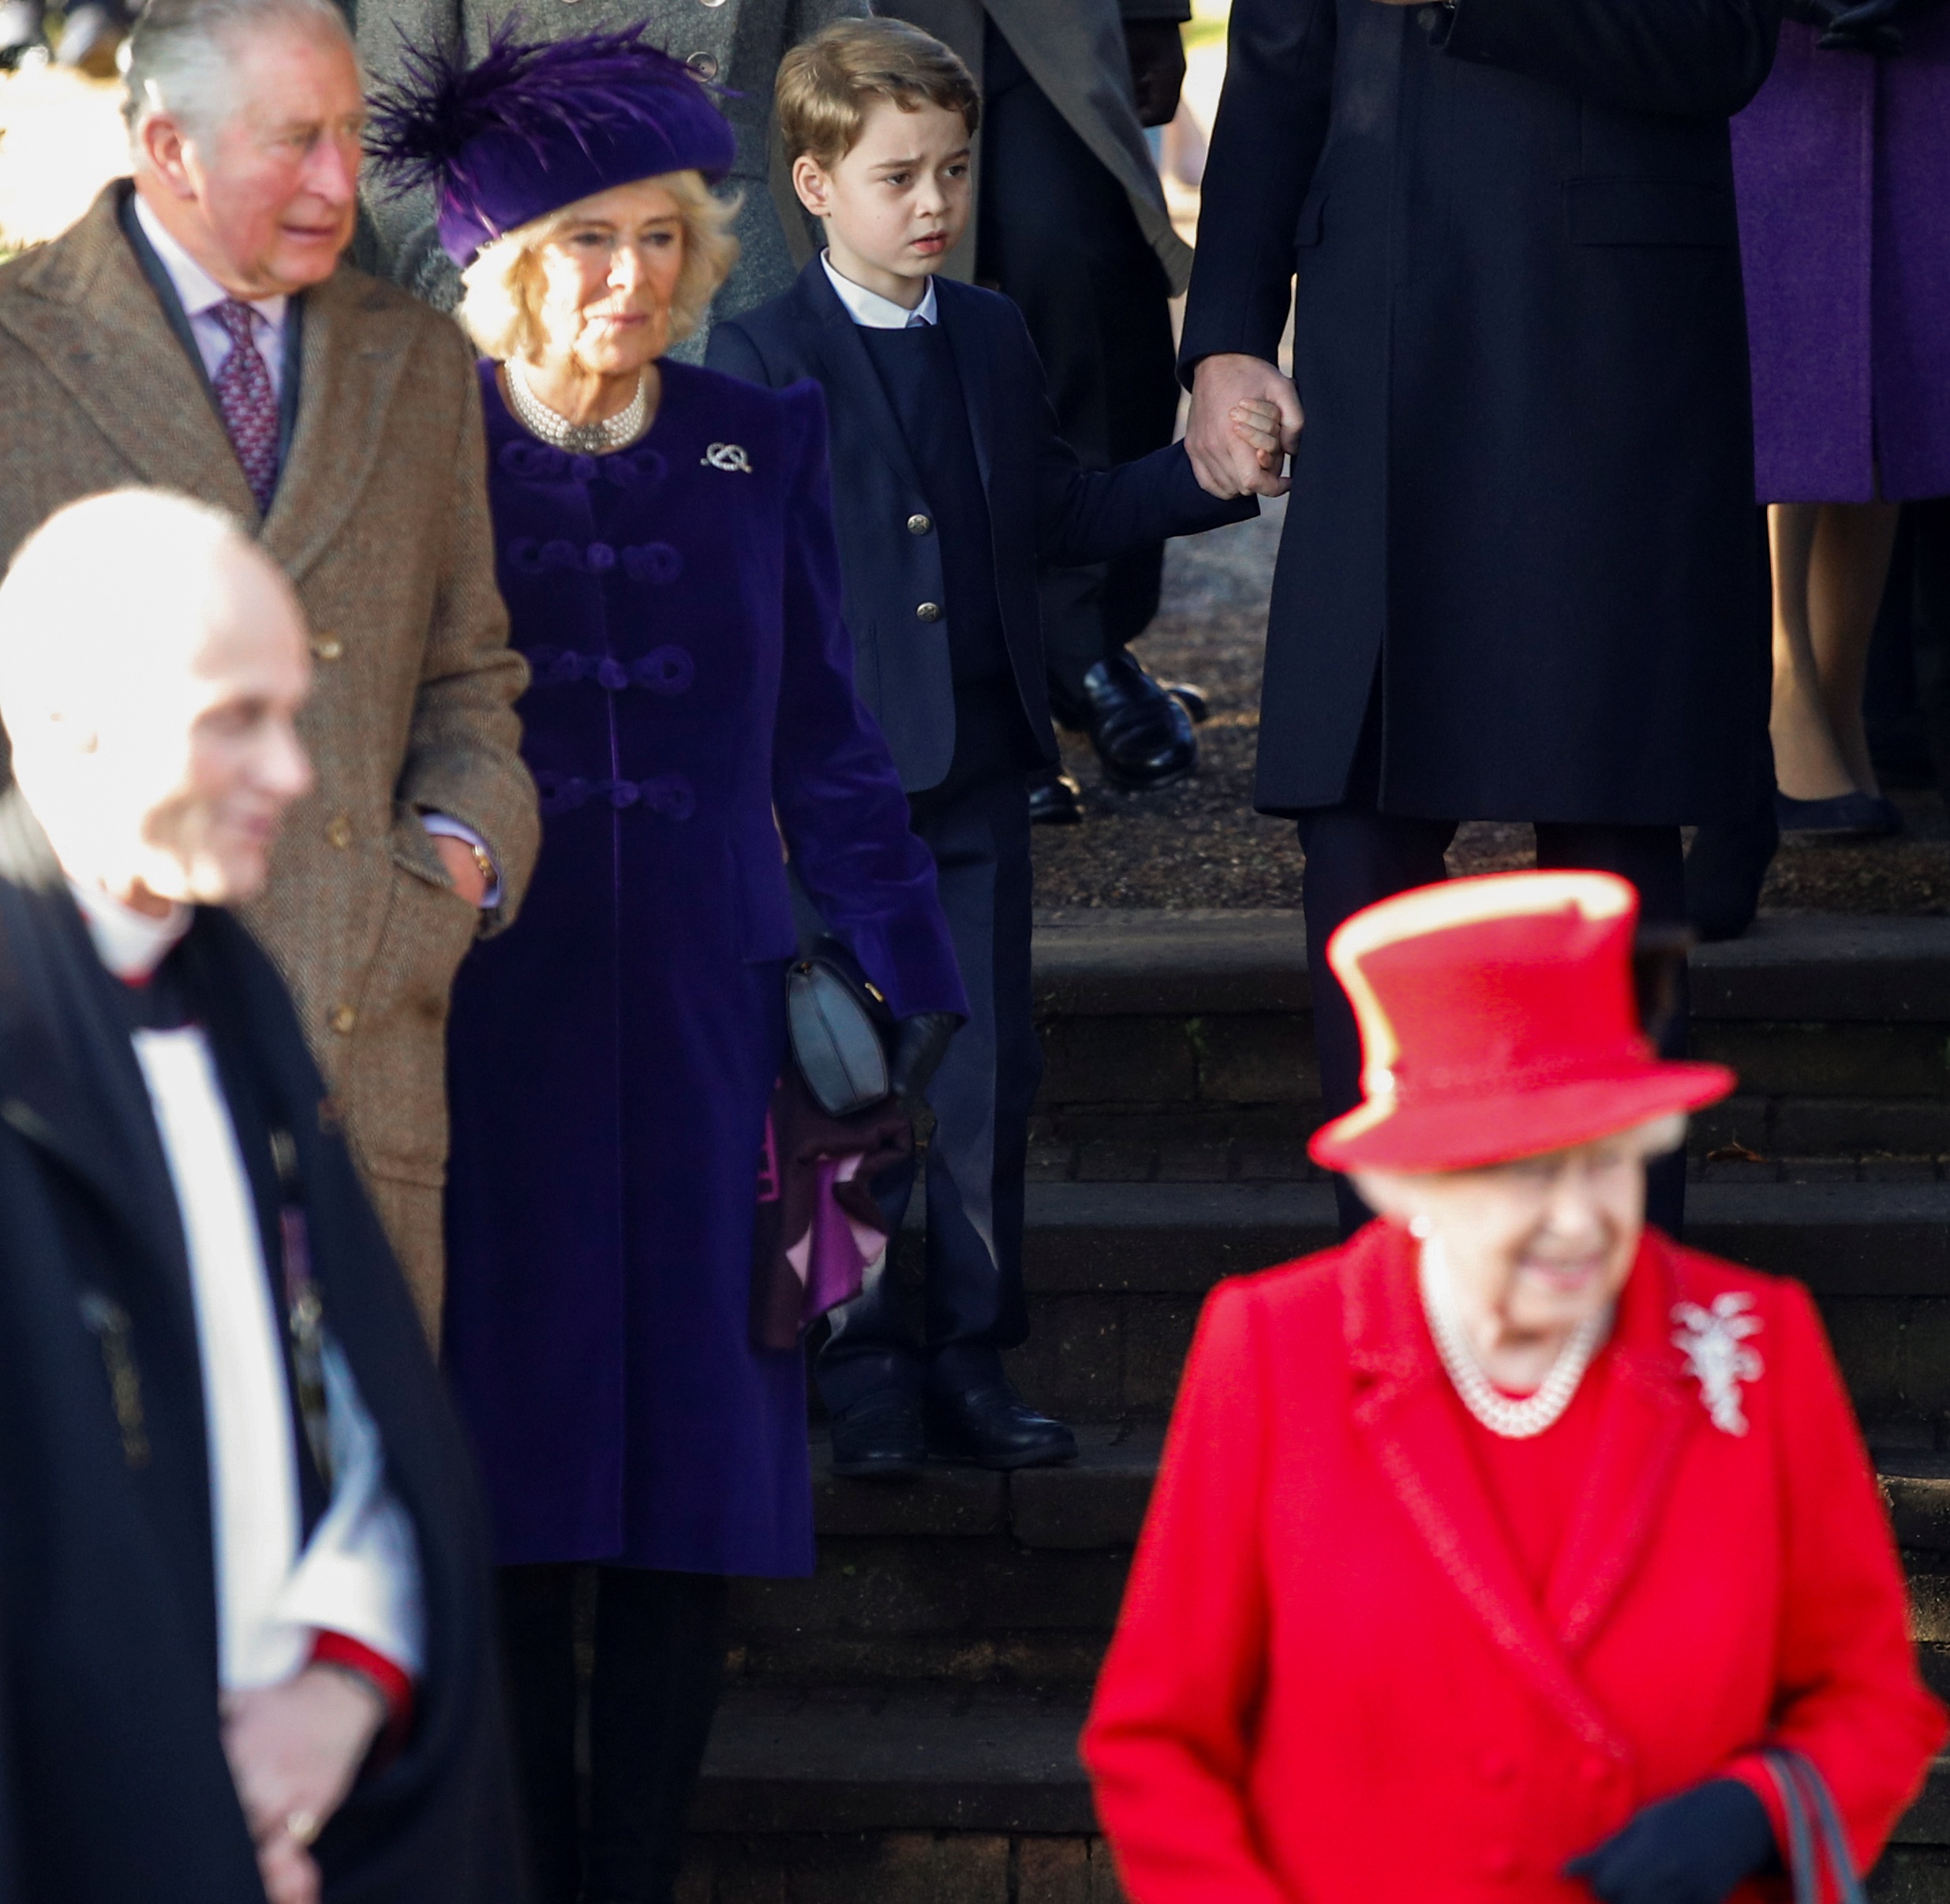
660	1658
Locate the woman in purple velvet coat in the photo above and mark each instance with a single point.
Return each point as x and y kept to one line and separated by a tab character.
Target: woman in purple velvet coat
1841	165
666	549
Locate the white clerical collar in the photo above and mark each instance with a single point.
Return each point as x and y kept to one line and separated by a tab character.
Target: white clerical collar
874	312
129	943
195	289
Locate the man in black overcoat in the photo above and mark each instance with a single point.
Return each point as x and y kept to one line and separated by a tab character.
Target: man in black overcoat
244	1650
1521	577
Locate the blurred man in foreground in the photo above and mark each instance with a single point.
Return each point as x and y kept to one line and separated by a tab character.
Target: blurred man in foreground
246	1645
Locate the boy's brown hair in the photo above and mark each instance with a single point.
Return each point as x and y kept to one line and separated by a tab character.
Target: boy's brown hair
828	84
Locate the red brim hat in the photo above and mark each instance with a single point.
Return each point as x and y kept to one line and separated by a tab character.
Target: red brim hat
1523	1123
1499	1020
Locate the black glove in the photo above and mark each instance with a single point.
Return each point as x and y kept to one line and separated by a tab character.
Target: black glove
1868	26
1157	56
920	1044
1694	1848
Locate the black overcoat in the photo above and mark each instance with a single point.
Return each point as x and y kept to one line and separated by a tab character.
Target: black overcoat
117	1785
1523	502
1043	505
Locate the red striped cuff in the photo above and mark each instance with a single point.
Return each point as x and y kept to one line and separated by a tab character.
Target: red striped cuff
392	1682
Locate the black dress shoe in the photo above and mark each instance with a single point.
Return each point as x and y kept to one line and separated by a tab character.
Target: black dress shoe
1142	734
1191	699
879	1438
1055	798
993	1427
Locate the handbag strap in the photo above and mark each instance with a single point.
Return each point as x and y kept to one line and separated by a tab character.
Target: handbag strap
1818	1843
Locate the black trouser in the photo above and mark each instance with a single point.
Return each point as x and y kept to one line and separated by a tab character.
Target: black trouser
972	1305
660	1661
1057	233
1357	855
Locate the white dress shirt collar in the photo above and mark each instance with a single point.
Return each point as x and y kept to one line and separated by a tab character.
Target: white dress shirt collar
875	312
200	294
130	943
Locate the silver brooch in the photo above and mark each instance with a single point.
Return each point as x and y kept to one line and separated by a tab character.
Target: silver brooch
728	456
1714	1342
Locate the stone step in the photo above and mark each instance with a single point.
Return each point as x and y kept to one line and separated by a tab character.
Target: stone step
1116	1273
972	1795
1188	1030
968	1576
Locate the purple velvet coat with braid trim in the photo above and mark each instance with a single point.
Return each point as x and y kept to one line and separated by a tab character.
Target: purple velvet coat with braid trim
612	1054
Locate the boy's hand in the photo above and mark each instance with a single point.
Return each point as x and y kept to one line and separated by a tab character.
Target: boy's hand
1257	422
1230	389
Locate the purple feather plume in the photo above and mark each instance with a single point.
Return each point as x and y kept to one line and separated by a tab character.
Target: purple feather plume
530	91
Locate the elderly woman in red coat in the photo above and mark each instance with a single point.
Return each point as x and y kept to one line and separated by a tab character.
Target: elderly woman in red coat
1509	1551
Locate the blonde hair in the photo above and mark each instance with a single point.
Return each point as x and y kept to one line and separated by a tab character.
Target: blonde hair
828	84
497	304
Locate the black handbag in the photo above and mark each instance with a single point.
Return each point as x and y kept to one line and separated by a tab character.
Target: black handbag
840	1028
1817	1854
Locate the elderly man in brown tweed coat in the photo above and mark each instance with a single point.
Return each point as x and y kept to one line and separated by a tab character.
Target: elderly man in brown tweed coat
196	331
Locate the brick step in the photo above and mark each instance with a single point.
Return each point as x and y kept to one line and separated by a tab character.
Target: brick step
973	1796
1185	1040
968	1576
1115	1273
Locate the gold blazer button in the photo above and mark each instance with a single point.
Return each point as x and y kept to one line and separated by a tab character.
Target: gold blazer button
919	525
339	832
928	611
343	1018
328	648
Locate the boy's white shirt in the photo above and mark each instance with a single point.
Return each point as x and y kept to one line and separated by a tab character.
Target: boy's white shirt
874	312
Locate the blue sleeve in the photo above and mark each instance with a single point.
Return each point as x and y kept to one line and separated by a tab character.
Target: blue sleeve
729	349
1095	515
834	786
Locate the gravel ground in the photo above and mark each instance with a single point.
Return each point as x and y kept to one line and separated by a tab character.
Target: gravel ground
1200	844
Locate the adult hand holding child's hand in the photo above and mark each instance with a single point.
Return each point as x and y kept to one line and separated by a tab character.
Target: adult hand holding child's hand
1245	417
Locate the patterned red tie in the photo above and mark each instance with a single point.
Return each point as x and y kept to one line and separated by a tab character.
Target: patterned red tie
249	403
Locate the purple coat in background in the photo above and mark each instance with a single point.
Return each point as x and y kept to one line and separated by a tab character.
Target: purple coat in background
611	1057
1842	164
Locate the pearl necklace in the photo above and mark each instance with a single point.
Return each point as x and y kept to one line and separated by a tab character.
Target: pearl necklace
614	432
1514	1420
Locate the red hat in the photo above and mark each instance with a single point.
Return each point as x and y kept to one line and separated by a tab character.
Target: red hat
1498	1020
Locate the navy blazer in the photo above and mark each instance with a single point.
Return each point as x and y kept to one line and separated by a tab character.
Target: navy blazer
1043	508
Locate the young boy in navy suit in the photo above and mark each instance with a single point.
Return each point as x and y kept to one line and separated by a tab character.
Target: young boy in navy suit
950	485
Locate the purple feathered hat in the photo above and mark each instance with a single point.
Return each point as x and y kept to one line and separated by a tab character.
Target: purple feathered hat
534	126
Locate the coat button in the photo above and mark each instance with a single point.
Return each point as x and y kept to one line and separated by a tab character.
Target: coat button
919	525
339	832
703	65
343	1018
328	647
928	611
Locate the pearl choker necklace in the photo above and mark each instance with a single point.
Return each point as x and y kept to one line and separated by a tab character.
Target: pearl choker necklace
1517	1420
614	432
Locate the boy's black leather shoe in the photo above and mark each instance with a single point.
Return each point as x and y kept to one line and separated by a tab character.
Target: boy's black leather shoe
993	1427
879	1438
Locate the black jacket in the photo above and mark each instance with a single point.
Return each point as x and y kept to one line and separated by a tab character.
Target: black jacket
116	1787
1042	507
1524	498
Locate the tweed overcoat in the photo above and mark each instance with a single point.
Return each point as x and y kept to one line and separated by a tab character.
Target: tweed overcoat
1076	54
1522	514
737	44
380	520
1841	165
1333	1680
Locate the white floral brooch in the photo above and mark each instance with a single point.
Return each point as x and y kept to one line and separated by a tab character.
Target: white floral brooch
1714	1344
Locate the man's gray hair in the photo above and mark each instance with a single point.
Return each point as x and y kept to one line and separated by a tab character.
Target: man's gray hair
181	53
